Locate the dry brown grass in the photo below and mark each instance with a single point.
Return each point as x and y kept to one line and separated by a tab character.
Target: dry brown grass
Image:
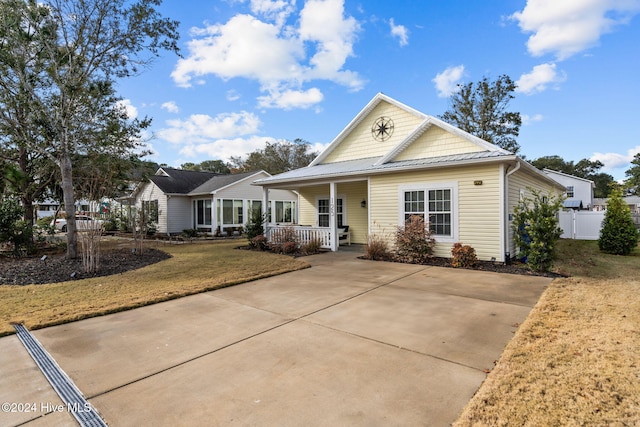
193	268
576	359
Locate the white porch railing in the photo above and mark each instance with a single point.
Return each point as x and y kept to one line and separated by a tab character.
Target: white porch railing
304	234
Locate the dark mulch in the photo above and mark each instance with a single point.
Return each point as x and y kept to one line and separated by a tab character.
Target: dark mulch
515	267
57	268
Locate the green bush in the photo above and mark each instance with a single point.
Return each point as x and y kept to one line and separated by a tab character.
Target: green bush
414	243
619	235
536	230
18	233
254	227
463	256
190	233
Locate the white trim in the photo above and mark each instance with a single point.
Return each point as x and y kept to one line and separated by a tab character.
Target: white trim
426	186
344	208
379	97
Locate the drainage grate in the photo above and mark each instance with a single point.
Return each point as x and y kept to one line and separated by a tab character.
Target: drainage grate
75	402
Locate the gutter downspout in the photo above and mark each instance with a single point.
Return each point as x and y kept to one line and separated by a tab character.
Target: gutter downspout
507	252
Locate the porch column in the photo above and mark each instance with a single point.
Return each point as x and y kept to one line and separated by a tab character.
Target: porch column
214	215
332	216
265	209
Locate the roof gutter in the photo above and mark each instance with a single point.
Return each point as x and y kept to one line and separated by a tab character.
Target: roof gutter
318	179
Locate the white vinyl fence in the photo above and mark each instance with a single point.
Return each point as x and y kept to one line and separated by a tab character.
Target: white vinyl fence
581	225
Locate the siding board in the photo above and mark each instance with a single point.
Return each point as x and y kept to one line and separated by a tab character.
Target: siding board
359	144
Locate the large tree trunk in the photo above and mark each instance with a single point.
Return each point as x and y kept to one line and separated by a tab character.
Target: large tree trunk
66	170
23	186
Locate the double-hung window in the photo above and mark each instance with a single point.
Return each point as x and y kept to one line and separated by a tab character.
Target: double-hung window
324	212
435	204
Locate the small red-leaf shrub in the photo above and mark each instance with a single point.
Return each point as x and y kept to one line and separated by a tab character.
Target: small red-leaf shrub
289	248
414	243
259	242
463	256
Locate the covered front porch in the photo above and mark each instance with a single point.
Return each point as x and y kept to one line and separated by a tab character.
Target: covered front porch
334	213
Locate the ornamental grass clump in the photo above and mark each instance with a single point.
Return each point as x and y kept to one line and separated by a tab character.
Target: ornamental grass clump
414	242
377	248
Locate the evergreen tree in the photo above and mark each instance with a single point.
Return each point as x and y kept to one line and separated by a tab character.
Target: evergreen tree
619	234
481	110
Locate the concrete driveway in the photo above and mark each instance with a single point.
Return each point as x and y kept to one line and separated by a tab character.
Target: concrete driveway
346	342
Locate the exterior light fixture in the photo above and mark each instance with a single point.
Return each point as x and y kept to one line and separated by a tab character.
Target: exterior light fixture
363	203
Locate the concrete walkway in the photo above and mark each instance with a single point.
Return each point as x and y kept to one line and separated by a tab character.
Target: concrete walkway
346	342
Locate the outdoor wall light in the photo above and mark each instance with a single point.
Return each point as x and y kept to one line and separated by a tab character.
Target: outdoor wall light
363	204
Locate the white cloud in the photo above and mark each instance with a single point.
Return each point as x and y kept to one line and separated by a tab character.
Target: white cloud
278	10
243	47
132	112
446	82
567	27
290	99
616	160
527	119
225	148
322	23
202	128
539	78
399	31
170	106
232	95
272	53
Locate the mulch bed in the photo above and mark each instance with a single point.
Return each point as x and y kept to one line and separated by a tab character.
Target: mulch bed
515	267
57	268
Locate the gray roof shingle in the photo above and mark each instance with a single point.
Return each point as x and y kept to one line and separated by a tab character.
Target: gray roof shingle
180	181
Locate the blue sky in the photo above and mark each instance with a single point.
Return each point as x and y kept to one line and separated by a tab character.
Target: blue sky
266	70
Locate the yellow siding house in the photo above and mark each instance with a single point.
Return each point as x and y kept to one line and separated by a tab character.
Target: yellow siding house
392	161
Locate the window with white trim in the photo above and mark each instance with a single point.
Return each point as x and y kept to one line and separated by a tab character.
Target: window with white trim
324	212
232	212
570	191
285	211
202	210
435	205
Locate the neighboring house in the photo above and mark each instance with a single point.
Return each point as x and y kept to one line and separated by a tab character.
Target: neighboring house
177	199
391	162
579	191
632	201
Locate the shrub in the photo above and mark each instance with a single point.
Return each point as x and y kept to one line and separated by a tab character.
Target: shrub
463	256
414	242
289	248
259	242
377	248
281	237
536	230
619	235
312	247
13	230
190	233
254	227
